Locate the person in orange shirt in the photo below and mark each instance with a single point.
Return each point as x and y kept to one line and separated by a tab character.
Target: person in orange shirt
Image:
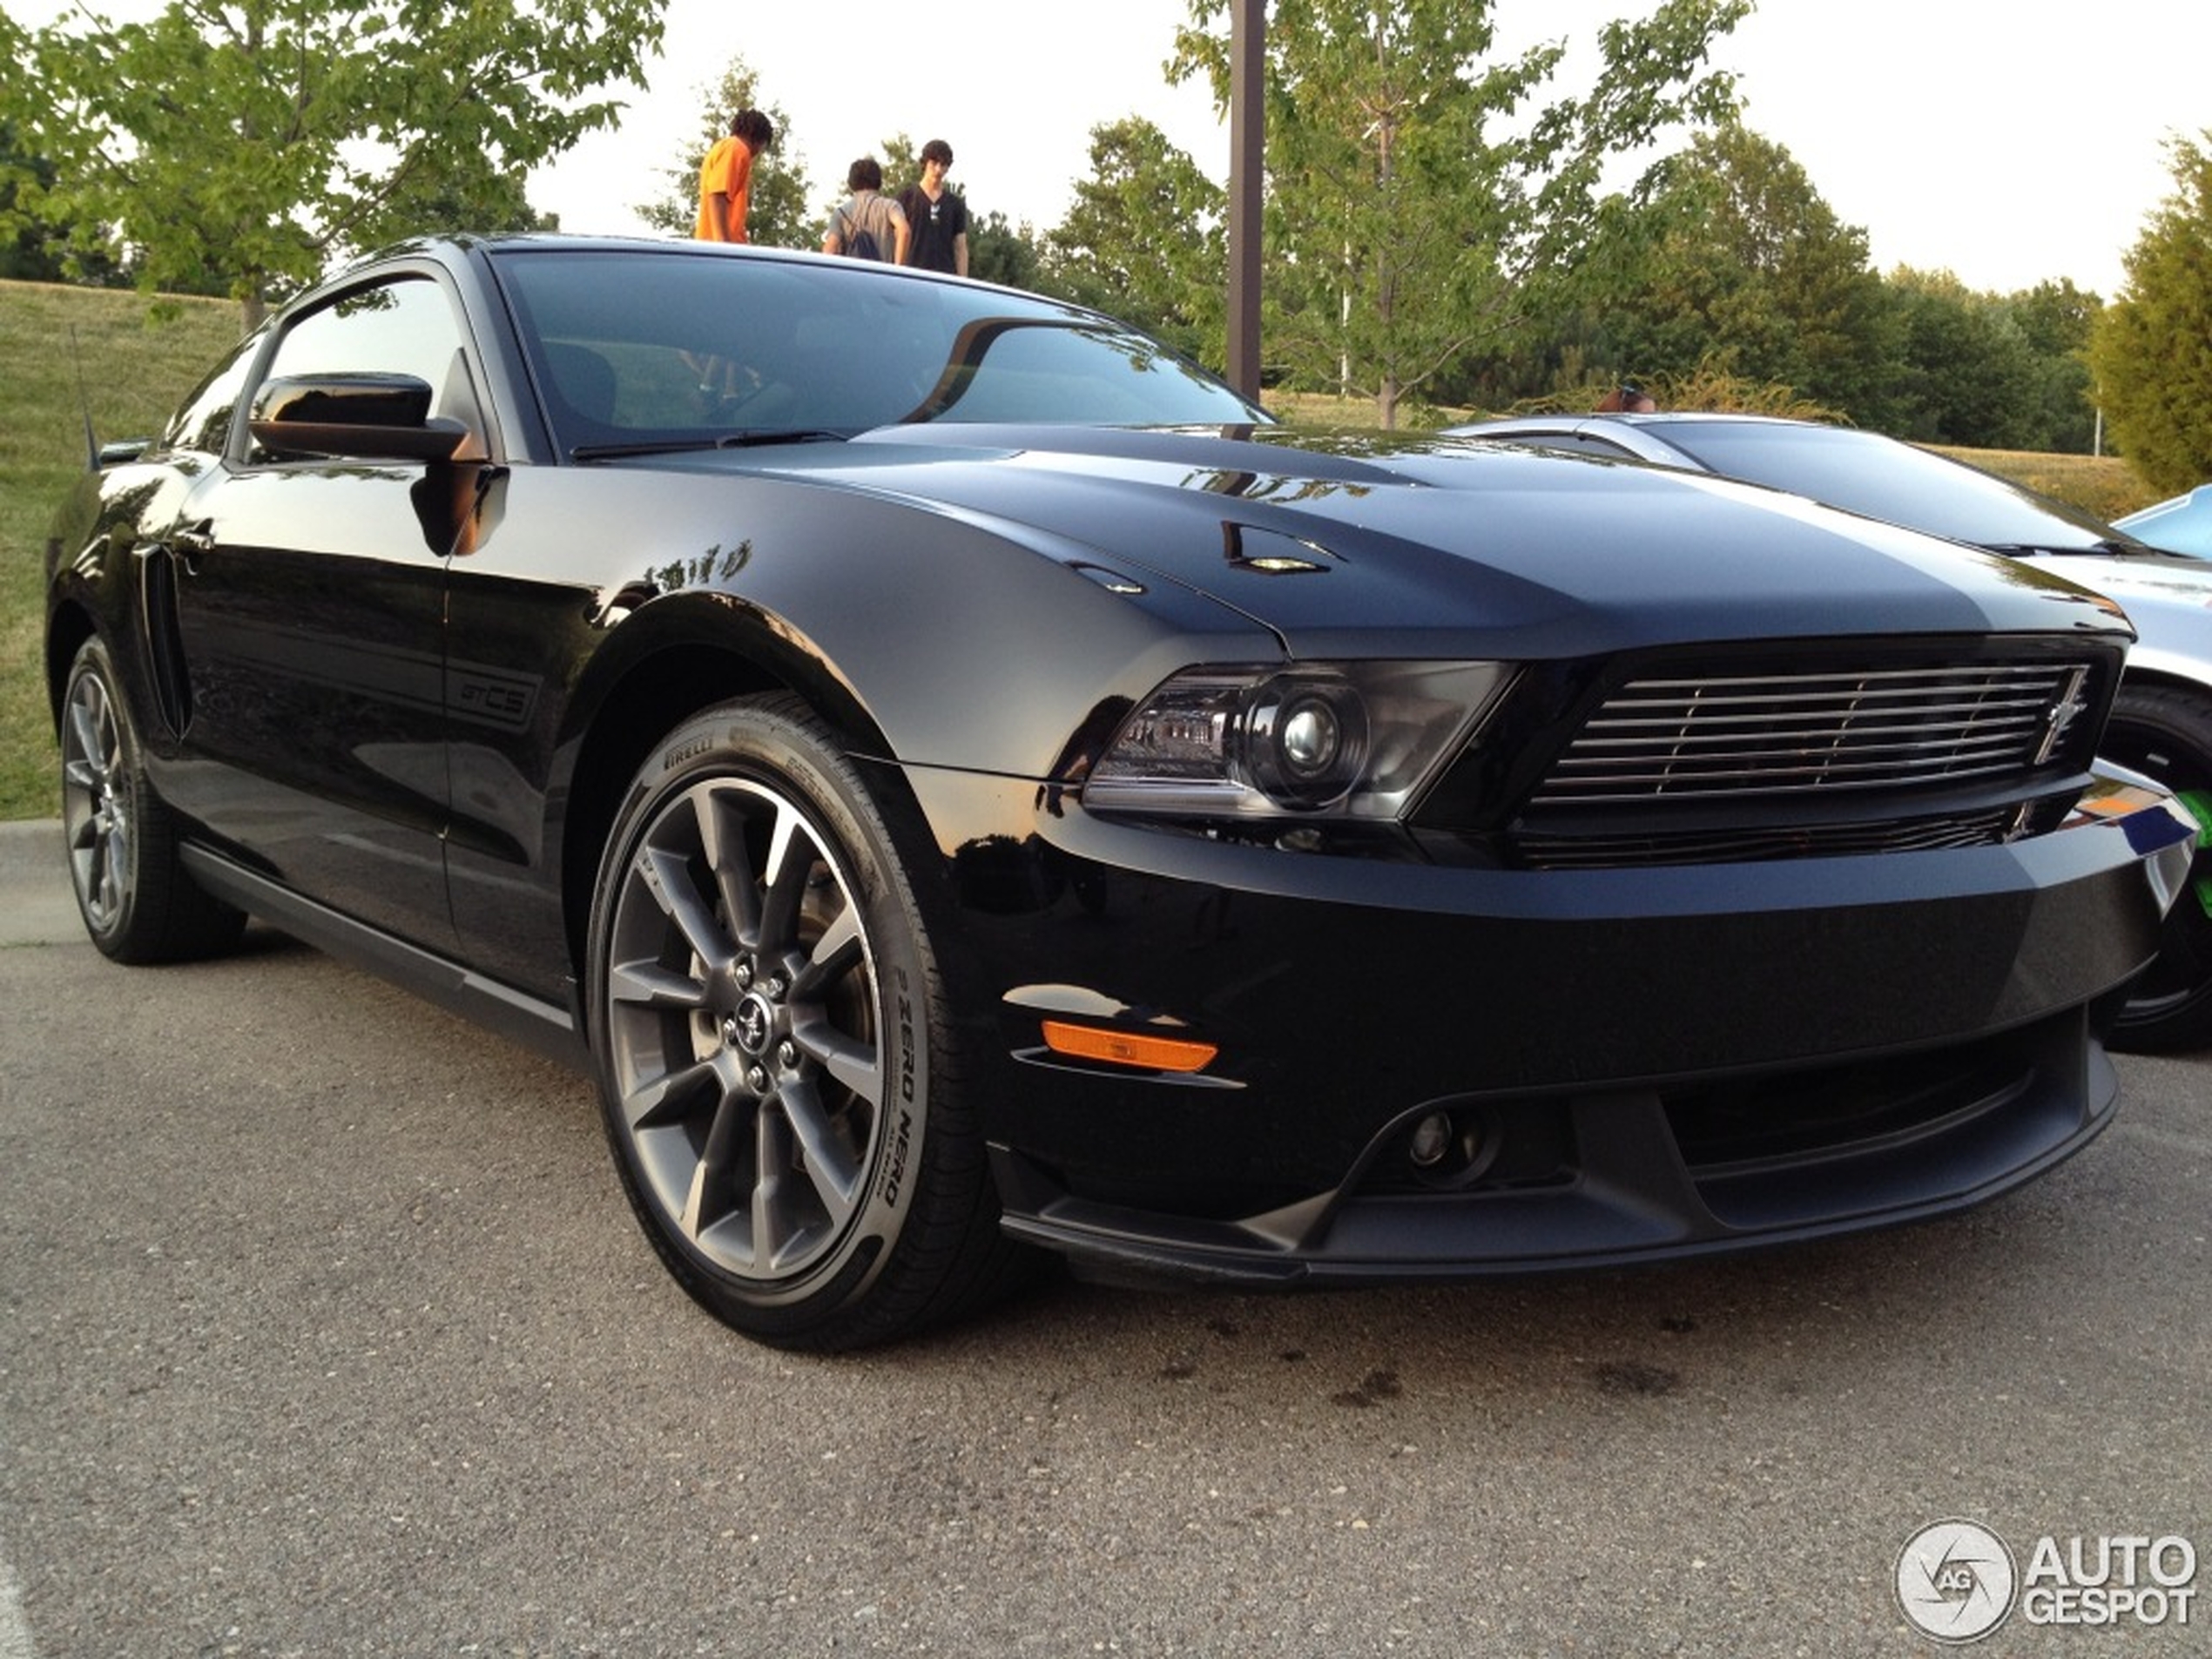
726	178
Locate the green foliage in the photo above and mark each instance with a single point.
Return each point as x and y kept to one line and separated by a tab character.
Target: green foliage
777	215
900	158
1000	251
29	252
2151	351
2054	321
1423	201
1736	262
1964	372
1733	265
240	147
1145	239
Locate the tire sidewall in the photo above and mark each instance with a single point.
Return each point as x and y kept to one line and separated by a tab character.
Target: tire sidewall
774	744
114	937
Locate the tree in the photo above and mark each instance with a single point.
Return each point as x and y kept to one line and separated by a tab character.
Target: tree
779	215
29	252
2055	320
244	145
1737	264
1962	373
900	158
2150	352
1421	201
1000	251
1144	239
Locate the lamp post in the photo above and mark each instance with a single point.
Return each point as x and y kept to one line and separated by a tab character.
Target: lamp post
1247	161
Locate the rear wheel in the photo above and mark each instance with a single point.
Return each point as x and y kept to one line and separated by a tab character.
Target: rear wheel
780	1085
138	903
2168	735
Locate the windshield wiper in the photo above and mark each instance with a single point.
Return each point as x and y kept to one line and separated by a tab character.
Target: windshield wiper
727	441
781	435
2045	549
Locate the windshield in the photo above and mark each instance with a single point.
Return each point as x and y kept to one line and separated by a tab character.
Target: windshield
1863	472
2183	525
639	349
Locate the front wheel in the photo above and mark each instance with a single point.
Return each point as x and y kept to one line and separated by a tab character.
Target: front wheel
781	1084
2166	734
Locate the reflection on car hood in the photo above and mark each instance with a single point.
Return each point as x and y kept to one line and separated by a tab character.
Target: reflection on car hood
1320	537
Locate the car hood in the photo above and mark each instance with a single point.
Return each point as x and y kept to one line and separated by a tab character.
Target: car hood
1327	541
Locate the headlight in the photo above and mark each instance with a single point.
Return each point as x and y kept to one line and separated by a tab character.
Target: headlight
1324	740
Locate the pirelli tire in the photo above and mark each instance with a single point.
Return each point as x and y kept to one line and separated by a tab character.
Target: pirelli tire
781	1085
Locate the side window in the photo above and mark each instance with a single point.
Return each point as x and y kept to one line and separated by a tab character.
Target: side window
204	423
405	326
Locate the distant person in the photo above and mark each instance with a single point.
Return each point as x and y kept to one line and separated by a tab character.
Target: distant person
936	217
870	225
1627	398
726	178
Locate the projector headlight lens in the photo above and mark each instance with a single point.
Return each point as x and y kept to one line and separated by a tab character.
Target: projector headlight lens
1341	739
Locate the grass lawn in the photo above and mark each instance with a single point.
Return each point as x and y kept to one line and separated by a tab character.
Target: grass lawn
139	362
136	369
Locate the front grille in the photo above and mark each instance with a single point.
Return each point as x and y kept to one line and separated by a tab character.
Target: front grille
1785	734
1856	750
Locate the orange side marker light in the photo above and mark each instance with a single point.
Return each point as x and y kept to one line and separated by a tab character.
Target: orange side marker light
1125	1048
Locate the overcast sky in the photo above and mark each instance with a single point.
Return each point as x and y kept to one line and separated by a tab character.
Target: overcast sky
2007	144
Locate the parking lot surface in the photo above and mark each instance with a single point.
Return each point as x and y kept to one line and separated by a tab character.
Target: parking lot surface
324	1331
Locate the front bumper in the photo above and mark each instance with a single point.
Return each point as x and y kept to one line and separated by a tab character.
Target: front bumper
1618	1065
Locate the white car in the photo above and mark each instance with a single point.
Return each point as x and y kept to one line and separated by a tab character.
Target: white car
2162	723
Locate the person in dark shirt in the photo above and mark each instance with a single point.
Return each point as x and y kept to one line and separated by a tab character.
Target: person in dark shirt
937	218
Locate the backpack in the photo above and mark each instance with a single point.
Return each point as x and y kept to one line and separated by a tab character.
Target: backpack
860	242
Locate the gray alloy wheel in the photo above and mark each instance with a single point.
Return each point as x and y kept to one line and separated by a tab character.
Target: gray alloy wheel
775	1071
138	903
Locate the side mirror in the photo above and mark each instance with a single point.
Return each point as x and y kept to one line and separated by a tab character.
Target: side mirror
368	417
121	452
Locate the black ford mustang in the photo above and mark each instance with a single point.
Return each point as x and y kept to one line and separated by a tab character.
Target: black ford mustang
960	778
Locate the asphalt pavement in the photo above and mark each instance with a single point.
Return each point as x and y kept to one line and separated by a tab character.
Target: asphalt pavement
36	905
324	1332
